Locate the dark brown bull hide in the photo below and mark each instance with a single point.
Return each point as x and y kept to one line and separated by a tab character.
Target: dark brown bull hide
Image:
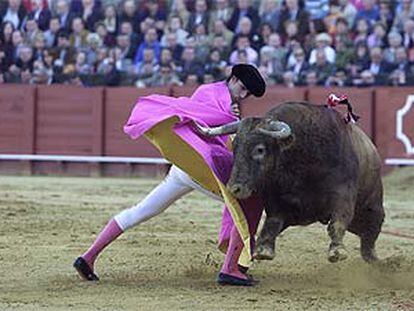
319	168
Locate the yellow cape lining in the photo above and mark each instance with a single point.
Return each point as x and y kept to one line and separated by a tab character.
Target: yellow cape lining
181	154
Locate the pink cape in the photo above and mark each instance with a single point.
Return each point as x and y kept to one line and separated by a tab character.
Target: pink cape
210	105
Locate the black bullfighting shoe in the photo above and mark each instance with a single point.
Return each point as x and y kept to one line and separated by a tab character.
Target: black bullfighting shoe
84	270
226	279
243	269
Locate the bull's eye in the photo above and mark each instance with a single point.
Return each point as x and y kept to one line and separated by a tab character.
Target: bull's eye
259	152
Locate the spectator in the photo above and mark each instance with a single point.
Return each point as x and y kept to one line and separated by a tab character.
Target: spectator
378	66
25	60
403	12
17	40
360	61
311	78
13	12
366	79
64	15
102	53
220	43
123	65
317	9
331	19
6	32
292	12
81	65
152	8
147	68
111	20
94	42
129	14
219	29
127	29
369	12
386	14
40	14
166	58
288	79
126	49
215	66
52	33
266	64
299	67
172	44
174	26
378	36
192	80
64	52
107	39
150	42
41	74
322	67
362	30
279	56
323	42
222	11
344	55
292	34
6	45
243	45
394	41
31	29
348	11
408	34
401	61
79	34
243	9
39	44
189	65
200	16
343	33
339	79
269	13
90	13
245	29
265	31
165	76
202	42
179	8
110	73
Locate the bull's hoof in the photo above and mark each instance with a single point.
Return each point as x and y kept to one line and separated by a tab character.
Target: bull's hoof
369	256
337	253
263	253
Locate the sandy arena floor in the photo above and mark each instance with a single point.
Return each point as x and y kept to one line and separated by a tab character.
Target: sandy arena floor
171	262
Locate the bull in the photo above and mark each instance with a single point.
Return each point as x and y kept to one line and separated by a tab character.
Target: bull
308	165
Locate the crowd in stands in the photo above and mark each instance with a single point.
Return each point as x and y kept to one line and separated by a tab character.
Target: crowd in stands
151	43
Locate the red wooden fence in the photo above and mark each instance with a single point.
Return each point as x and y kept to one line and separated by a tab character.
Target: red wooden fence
67	120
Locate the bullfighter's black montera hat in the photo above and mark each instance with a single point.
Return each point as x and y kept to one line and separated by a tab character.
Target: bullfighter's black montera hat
250	76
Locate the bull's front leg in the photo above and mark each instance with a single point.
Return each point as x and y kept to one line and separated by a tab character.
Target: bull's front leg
265	247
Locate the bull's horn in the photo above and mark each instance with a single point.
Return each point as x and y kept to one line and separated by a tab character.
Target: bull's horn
280	130
226	129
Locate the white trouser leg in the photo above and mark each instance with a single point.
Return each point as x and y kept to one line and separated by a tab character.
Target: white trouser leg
176	184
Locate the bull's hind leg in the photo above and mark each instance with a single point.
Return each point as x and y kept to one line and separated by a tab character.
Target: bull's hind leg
367	226
343	211
265	247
